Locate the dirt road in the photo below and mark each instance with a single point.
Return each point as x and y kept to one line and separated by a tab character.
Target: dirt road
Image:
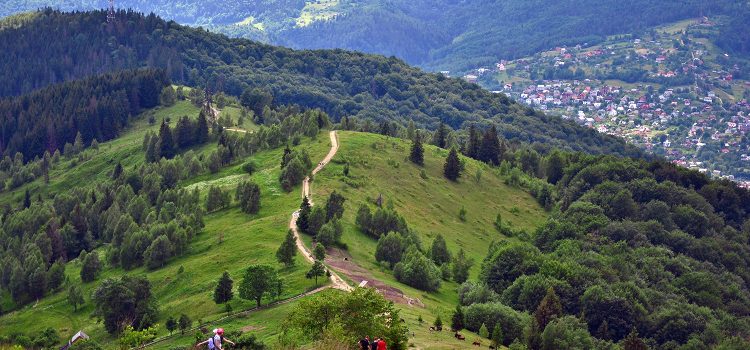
337	281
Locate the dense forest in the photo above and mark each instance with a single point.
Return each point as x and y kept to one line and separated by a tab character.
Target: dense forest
339	83
437	35
96	108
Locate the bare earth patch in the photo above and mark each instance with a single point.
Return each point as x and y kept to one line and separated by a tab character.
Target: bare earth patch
342	262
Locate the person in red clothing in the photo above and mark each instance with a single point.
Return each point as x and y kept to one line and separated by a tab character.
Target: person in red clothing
381	344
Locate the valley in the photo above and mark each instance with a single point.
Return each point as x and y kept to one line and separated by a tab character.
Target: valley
672	92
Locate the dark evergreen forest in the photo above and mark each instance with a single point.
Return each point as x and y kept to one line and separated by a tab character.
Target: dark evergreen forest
54	47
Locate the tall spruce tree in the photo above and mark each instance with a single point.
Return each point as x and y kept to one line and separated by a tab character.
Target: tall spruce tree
457	321
288	249
439	251
549	308
440	138
633	342
416	155
166	142
453	167
489	150
461	267
471	149
201	129
223	292
304	215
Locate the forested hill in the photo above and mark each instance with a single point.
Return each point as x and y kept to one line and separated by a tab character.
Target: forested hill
435	34
53	46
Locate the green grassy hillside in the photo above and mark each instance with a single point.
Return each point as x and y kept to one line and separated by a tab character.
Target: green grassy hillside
378	165
246	239
431	205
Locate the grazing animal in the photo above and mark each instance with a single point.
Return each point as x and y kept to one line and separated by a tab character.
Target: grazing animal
476	343
459	336
432	328
440	328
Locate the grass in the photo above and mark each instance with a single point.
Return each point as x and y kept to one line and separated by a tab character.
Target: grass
378	165
247	239
315	11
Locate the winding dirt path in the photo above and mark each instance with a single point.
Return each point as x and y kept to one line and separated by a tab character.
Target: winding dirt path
336	280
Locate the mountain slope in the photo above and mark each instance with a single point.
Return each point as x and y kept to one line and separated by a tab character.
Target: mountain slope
341	83
438	35
232	240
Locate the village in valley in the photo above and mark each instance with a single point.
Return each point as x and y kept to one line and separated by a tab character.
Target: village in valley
669	90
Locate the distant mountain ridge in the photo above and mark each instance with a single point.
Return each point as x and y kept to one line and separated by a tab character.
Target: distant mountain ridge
437	35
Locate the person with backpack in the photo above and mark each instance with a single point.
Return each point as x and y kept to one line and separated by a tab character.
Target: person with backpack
215	342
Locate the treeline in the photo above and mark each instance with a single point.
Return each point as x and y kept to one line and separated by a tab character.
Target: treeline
639	253
339	83
97	108
139	212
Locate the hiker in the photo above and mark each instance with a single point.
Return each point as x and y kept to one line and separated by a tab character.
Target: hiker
364	344
381	344
374	344
215	342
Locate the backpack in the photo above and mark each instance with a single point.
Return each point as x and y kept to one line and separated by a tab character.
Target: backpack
212	340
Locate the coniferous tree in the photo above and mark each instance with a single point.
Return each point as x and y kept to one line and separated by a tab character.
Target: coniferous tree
152	149
489	150
549	308
171	324
416	155
166	143
26	199
248	195
438	322
319	252
78	143
453	167
304	215
223	292
633	342
184	322
461	266
457	321
497	336
471	149
286	157
441	136
439	251
288	249
201	129
334	206
117	172
483	332
316	220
